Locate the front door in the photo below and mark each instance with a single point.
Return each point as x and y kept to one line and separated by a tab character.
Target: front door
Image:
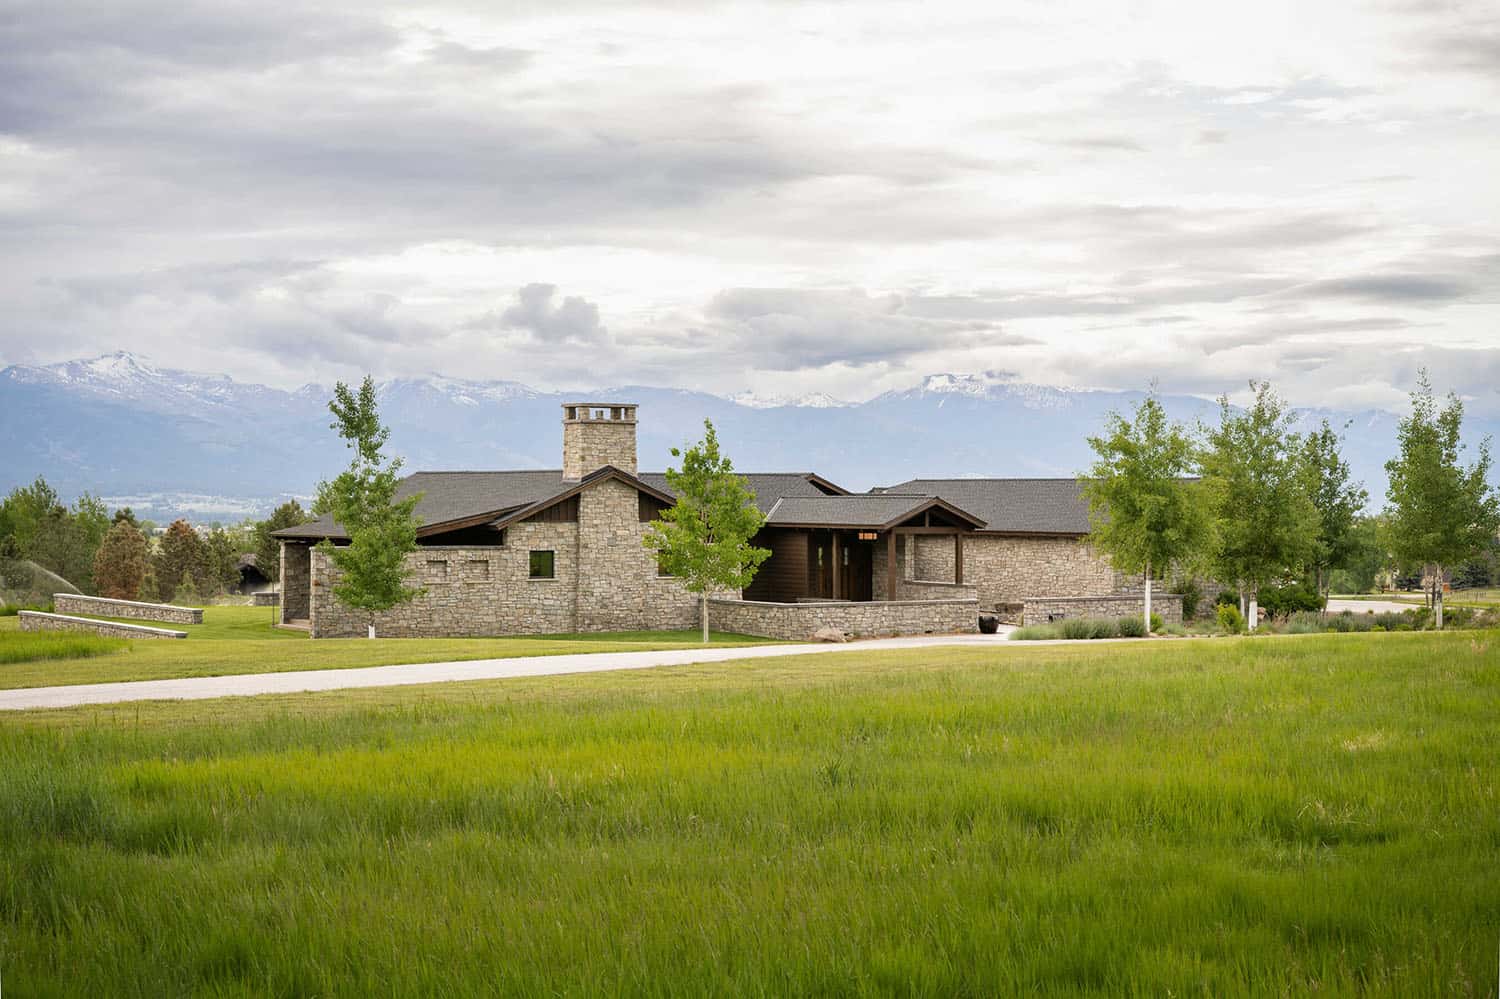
856	561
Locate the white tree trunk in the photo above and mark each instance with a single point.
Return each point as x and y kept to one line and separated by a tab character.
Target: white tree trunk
1253	618
372	630
1437	598
703	603
1148	598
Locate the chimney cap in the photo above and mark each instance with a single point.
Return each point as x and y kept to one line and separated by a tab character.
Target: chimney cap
613	412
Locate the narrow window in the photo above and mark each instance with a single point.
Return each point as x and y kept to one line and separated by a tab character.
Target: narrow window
543	565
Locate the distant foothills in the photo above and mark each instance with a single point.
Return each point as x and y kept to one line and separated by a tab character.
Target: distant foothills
173	443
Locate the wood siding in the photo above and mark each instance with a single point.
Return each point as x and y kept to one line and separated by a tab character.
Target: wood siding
563	512
782	577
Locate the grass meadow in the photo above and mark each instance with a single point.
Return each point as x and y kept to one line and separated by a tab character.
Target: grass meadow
1228	817
241	640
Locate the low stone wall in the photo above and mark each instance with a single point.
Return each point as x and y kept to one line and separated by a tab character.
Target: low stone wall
862	619
265	598
38	621
929	589
1040	610
77	603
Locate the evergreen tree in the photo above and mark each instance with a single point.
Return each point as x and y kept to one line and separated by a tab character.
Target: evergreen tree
268	548
704	538
180	558
1442	513
120	563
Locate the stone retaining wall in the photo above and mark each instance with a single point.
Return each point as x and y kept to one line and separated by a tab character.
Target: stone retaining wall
38	621
927	589
265	598
77	603
1040	610
864	619
1008	569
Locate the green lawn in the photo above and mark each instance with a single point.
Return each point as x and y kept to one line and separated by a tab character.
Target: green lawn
241	640
1241	816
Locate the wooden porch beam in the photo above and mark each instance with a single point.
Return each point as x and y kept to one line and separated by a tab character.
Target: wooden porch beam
837	565
927	530
890	566
958	558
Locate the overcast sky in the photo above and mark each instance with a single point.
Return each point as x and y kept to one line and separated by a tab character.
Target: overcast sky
785	198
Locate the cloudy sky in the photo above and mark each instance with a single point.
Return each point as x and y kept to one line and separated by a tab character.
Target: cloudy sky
782	198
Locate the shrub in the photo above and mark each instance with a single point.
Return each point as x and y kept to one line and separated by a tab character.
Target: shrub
1035	633
1227	598
1075	627
1174	629
1231	621
1155	622
1281	601
1104	628
1304	623
1132	627
1192	596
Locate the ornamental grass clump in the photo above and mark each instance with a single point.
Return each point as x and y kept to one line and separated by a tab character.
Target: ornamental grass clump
1131	627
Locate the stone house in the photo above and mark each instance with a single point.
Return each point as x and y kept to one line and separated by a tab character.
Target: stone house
556	551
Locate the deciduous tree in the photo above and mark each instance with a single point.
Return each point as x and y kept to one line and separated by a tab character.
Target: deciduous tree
1144	512
1338	501
1442	512
704	538
1265	523
362	499
267	547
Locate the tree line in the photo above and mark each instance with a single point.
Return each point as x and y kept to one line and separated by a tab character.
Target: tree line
1274	515
118	556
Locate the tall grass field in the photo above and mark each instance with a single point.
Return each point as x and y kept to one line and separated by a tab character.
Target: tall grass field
40	646
1284	816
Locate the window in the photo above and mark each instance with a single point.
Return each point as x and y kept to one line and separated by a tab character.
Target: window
543	565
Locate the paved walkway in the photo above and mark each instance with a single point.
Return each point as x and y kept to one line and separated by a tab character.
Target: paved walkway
200	687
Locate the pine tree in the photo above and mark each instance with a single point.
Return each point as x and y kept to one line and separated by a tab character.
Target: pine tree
120	563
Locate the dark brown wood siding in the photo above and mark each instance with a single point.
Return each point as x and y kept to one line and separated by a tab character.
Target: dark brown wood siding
649	507
782	577
562	512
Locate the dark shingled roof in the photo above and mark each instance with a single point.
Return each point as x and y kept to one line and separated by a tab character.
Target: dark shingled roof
867	510
451	496
767	486
459	496
1012	506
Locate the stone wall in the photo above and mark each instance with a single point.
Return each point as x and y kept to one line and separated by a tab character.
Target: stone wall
296	582
1011	569
37	621
265	598
1040	610
618	585
926	589
77	603
591	444
798	622
605	580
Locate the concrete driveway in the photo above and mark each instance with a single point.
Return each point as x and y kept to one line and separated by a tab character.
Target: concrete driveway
201	687
1336	606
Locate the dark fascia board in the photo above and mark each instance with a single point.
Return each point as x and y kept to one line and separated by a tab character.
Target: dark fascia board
822	483
937	502
1031	534
506	518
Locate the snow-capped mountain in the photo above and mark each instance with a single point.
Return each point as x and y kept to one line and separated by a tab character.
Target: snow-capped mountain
179	442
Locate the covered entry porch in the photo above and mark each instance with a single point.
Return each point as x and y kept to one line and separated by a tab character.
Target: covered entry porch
854	548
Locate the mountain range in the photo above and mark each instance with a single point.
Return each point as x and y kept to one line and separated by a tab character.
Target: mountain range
175	443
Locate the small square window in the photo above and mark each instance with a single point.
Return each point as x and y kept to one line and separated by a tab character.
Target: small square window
543	565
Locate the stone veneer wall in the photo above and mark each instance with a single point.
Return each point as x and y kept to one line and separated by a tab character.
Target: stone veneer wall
296	582
265	598
38	621
926	589
605	581
589	445
618	586
1040	610
77	603
799	622
1011	569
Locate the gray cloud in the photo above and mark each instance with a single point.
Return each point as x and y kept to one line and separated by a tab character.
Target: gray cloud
571	320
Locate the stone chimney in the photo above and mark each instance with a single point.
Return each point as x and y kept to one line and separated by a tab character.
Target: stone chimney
596	434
